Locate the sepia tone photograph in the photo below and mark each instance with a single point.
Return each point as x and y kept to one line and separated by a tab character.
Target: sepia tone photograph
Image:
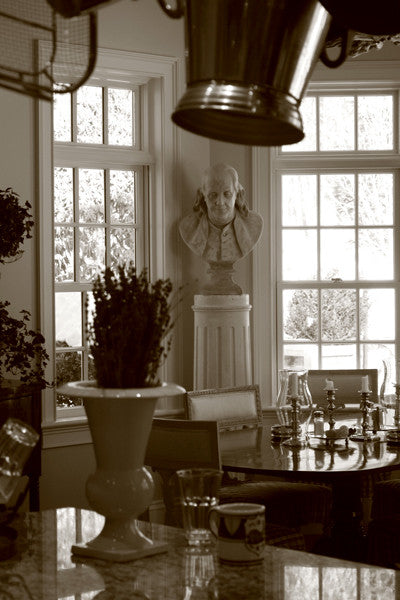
199	300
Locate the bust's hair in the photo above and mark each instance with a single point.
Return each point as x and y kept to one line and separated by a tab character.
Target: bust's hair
218	171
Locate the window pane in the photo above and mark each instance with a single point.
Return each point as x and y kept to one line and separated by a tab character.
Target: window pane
377	314
91	195
337	253
68	307
338	356
336	123
375	123
120	126
337	199
63	254
300	355
62	117
63	195
68	368
309	116
300	314
299	200
122	196
89	119
122	242
91	252
375	197
338	314
376	254
298	265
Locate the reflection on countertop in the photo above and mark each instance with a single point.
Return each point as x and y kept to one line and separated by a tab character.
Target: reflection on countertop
45	570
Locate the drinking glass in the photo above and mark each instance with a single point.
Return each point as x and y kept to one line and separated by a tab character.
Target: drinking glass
199	491
17	440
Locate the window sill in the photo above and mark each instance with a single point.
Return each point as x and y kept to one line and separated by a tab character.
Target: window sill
75	431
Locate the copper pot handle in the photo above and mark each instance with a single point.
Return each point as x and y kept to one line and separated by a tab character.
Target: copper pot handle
174	13
346	40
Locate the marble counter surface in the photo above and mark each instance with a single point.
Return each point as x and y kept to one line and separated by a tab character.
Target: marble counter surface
43	569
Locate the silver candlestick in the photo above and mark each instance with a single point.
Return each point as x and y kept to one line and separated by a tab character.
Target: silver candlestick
295	439
365	406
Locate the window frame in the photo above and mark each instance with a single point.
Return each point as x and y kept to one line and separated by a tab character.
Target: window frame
360	76
162	81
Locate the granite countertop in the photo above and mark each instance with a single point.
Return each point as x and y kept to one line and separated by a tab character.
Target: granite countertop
43	569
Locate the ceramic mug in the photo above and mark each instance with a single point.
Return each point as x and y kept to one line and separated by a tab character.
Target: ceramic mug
240	531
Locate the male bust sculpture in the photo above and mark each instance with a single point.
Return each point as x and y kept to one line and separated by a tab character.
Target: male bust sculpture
221	229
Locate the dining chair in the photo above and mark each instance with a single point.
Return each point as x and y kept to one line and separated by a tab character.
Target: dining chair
232	408
347	382
383	537
179	443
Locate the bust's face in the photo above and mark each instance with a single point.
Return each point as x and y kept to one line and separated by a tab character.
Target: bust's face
220	197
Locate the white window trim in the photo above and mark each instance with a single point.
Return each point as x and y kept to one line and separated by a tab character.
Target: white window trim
362	75
165	74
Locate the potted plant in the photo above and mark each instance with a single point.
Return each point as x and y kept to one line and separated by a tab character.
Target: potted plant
129	338
22	350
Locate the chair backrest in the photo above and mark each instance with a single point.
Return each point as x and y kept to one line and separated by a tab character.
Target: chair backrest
347	382
179	444
232	408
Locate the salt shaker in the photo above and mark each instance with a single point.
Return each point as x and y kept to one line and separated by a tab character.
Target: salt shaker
319	423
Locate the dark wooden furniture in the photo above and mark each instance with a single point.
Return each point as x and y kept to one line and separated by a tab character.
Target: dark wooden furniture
23	401
350	471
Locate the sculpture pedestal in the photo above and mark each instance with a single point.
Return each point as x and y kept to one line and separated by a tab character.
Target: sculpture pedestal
221	341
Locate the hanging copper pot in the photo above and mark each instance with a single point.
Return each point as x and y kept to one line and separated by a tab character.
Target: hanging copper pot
248	65
366	17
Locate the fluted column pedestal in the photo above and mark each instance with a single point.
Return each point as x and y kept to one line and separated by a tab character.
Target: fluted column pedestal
222	355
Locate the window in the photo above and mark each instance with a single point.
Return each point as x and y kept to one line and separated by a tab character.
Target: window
335	258
106	163
99	209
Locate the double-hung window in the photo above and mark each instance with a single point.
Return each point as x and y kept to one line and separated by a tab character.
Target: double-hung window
335	222
100	193
103	200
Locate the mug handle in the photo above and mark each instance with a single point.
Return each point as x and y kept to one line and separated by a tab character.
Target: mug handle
213	515
174	13
346	36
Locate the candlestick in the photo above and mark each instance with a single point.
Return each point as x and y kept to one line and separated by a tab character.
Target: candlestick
365	406
365	384
330	398
329	385
294	384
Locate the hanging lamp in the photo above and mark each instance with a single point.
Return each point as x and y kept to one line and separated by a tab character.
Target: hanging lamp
41	52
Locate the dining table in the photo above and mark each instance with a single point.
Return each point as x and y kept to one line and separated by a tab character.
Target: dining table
351	469
43	568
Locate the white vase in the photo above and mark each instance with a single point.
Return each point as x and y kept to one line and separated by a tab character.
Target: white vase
121	488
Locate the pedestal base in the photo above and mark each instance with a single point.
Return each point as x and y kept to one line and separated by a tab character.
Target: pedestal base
134	545
221	341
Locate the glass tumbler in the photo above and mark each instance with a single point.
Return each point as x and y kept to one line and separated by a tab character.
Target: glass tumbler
199	492
17	440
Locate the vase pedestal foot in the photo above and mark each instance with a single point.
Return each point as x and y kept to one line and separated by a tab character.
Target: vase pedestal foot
110	545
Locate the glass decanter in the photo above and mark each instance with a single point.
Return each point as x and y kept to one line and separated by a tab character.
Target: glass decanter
294	405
